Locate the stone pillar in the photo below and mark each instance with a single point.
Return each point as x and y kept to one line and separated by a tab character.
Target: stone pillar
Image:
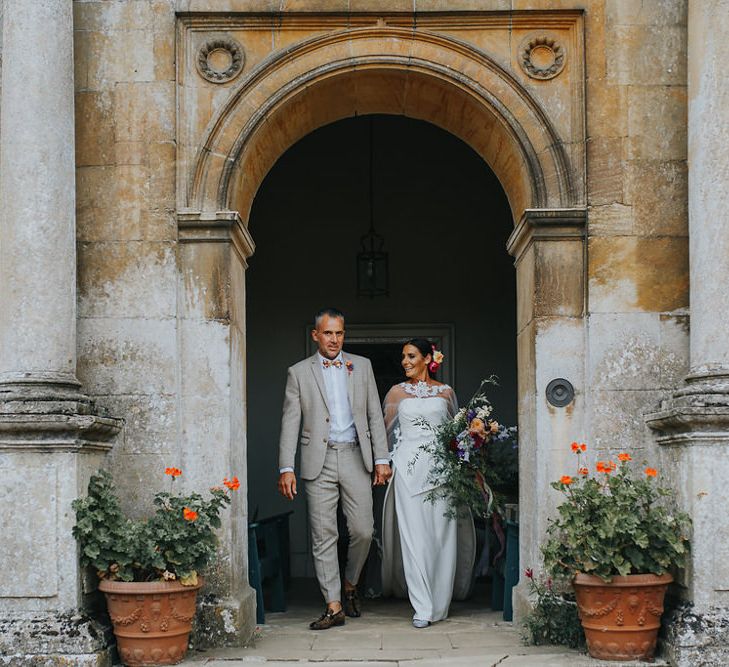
213	253
37	189
694	423
549	250
50	440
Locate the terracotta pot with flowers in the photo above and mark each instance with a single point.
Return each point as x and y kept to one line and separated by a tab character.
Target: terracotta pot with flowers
149	569
617	535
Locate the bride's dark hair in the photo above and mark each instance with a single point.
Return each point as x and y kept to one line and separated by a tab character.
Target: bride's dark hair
425	347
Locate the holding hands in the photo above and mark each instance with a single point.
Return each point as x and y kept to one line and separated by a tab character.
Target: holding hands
383	472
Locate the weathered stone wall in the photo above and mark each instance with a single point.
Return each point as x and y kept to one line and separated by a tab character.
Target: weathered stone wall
638	219
161	325
125	157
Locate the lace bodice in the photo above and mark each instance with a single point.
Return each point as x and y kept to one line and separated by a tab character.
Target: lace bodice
423	389
412	411
408	405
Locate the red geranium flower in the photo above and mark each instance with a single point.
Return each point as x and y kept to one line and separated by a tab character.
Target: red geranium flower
232	484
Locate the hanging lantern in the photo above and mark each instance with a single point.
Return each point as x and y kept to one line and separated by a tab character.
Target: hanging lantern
372	266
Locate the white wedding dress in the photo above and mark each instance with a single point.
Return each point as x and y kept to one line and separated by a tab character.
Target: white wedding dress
425	553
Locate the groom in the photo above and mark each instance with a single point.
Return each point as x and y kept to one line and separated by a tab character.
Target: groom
332	408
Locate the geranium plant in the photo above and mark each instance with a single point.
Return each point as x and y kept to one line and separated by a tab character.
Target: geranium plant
615	520
175	543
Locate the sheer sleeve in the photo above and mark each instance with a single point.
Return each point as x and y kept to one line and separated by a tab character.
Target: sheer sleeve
392	420
450	397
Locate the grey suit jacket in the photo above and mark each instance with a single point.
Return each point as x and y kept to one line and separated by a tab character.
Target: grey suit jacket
306	415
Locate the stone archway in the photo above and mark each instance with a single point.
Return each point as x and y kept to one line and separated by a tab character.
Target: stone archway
391	71
462	90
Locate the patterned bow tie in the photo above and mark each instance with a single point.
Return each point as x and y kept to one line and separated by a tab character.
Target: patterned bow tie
336	363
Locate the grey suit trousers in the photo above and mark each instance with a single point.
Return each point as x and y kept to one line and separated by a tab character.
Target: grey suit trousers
343	475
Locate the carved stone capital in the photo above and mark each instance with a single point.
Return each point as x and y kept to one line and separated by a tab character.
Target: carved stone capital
57	432
696	413
546	224
216	227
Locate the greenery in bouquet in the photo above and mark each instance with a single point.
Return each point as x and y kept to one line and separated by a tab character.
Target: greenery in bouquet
615	521
175	543
463	452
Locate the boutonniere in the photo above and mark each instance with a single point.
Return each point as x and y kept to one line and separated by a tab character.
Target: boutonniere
350	366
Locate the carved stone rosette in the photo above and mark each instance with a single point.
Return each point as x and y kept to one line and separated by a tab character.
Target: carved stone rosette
542	56
220	60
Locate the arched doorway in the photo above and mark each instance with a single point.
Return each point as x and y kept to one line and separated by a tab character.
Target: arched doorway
460	89
445	219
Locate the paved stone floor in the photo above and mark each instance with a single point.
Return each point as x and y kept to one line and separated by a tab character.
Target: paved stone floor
383	637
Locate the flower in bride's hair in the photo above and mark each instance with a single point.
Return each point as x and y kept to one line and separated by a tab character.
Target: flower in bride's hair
437	359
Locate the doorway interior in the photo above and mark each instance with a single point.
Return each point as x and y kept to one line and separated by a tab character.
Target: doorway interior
445	220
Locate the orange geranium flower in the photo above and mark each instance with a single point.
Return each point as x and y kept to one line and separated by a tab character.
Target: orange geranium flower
583	471
173	472
608	467
232	484
651	472
575	447
624	456
566	479
188	514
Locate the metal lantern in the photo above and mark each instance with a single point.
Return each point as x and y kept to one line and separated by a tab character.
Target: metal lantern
372	268
373	276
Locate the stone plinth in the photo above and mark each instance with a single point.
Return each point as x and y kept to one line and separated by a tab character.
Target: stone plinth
45	463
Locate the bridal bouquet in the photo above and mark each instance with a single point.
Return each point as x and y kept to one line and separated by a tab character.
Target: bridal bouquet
460	451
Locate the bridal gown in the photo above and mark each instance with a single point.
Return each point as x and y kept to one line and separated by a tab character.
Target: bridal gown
425	553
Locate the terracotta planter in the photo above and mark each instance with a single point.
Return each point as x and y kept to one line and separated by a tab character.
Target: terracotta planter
151	620
621	619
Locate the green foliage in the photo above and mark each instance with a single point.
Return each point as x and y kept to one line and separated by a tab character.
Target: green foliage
167	545
474	459
616	524
502	465
553	618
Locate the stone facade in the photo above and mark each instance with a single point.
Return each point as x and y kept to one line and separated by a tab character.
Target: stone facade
122	264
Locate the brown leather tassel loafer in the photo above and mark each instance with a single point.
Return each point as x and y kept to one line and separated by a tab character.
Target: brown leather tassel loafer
351	604
327	620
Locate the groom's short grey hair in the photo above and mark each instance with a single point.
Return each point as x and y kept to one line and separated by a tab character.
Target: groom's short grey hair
327	312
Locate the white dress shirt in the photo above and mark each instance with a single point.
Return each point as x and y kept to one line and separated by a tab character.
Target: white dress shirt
341	424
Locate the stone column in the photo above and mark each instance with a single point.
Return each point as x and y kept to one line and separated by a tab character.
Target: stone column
694	423
37	190
549	250
50	440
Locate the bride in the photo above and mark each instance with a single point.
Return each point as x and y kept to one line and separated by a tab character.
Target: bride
425	553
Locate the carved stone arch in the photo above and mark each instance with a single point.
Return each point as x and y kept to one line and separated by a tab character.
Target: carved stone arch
382	70
535	148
